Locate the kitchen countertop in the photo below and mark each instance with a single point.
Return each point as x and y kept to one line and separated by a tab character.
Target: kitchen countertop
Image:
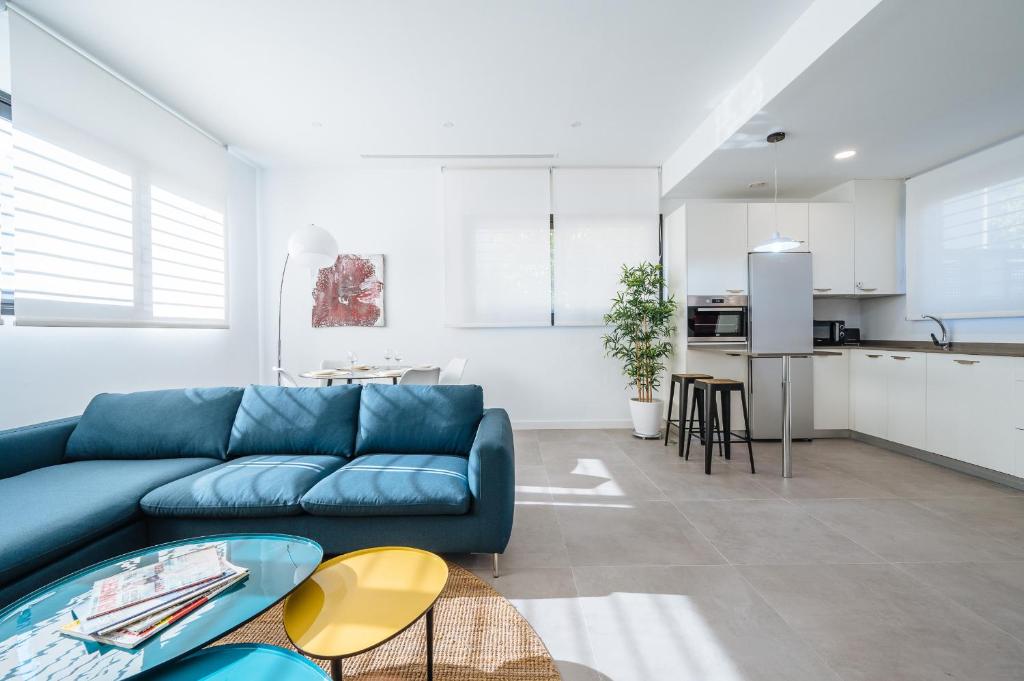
991	349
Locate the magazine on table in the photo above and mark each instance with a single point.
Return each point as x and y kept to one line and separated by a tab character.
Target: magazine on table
153	597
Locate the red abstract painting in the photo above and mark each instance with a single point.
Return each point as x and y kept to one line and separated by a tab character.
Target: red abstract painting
350	293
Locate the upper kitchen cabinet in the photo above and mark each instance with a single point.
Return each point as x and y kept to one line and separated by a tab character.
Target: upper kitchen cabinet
716	248
762	222
831	239
878	237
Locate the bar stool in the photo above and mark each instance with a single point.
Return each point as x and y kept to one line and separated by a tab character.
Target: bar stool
709	389
684	381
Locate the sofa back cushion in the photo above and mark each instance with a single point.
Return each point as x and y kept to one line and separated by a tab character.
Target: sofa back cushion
157	424
277	420
418	419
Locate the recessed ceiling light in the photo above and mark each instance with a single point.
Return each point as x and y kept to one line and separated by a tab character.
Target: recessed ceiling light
758	185
448	124
845	154
575	124
317	124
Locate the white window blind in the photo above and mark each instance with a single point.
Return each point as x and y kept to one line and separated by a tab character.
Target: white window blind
965	236
497	247
6	214
604	218
118	204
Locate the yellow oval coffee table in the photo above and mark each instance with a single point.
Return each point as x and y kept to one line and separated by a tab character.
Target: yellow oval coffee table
359	600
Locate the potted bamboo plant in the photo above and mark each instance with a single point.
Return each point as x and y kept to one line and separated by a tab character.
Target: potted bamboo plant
641	320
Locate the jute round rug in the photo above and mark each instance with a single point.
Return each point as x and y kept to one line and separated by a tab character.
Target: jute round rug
478	636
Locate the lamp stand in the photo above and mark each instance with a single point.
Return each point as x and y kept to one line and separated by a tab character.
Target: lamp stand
280	294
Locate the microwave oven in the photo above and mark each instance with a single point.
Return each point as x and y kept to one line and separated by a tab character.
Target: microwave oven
716	319
829	332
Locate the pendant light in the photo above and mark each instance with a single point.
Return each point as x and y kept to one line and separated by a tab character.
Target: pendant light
777	243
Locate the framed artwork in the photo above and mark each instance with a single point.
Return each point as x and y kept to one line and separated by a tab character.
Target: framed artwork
350	292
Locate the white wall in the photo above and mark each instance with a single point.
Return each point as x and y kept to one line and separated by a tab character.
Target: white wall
886	319
51	372
542	376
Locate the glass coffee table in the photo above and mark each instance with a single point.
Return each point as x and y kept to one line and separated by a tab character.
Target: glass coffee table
32	647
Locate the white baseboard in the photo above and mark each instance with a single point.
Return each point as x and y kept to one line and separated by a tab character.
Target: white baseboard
571	425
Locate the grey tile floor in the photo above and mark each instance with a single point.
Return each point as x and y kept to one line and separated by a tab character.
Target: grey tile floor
865	566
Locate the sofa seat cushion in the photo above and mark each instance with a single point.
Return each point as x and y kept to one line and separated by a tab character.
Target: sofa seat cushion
50	512
246	487
393	484
418	419
276	420
156	424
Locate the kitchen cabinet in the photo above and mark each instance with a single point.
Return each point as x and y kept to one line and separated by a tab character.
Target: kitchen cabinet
970	409
868	400
906	392
831	389
716	248
878	236
761	223
721	365
1018	422
831	239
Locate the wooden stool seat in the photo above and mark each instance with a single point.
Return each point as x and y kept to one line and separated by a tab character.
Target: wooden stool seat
721	381
679	377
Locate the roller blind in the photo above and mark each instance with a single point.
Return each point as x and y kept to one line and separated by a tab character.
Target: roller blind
965	236
6	209
603	218
118	204
497	247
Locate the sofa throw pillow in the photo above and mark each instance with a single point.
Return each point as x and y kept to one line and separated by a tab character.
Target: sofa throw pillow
156	424
419	419
279	420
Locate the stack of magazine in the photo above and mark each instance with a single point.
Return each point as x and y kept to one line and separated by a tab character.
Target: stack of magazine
126	609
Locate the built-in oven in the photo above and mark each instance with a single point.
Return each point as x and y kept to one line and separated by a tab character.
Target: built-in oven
716	319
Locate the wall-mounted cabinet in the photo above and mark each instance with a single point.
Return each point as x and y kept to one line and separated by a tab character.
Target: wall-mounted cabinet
762	222
716	248
878	236
830	237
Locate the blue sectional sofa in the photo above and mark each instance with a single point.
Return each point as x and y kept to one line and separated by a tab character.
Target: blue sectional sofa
347	466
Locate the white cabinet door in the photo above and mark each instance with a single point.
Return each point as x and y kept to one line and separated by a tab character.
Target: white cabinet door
906	398
1018	423
761	223
831	390
830	237
868	402
716	248
878	231
721	365
970	409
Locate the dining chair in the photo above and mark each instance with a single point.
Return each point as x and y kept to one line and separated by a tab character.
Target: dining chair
334	364
452	373
286	378
420	376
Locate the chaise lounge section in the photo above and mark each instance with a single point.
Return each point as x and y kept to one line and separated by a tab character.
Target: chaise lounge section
347	466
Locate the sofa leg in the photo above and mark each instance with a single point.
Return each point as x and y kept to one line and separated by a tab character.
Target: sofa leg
494	557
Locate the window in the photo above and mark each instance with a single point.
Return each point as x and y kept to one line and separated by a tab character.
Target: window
118	204
539	247
965	236
6	207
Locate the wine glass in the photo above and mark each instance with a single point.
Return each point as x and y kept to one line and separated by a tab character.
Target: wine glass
398	358
387	356
352	359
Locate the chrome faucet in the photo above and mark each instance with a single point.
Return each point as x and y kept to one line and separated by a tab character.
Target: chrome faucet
946	341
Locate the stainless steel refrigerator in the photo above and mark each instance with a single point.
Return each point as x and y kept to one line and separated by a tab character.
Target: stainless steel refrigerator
781	319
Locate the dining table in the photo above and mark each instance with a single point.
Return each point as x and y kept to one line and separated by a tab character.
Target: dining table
357	373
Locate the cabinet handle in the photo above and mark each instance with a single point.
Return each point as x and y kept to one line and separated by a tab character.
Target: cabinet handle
967	361
734	290
862	288
734	354
899	356
1019	428
874	356
822	290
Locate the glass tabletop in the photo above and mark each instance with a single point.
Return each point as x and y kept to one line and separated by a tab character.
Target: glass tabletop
32	647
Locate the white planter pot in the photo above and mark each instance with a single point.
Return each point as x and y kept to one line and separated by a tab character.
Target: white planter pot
646	417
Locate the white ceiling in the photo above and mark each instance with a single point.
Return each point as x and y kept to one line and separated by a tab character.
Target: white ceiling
383	76
915	84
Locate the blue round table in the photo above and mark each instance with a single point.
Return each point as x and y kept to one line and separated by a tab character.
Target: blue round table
238	662
32	647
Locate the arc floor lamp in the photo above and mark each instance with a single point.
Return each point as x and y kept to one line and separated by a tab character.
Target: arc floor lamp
310	246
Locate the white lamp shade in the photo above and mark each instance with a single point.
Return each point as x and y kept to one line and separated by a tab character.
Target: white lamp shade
312	246
777	244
